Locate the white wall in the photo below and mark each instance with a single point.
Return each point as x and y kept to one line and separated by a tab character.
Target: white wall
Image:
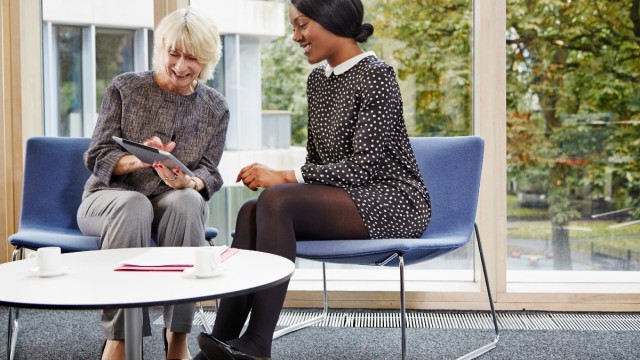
246	17
247	24
262	19
243	90
102	13
280	159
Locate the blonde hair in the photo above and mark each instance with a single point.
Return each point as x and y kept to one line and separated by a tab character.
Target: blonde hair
195	33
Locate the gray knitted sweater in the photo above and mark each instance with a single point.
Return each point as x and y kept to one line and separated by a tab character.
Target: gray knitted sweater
136	108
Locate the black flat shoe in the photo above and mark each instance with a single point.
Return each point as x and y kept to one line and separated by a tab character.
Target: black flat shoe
104	345
215	349
166	343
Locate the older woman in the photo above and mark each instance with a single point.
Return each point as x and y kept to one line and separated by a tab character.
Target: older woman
125	200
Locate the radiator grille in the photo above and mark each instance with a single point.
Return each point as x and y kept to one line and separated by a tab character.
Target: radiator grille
522	320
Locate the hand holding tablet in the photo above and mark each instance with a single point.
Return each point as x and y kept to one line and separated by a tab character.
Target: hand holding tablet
149	155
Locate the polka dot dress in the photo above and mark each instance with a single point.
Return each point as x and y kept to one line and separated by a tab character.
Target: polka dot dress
358	141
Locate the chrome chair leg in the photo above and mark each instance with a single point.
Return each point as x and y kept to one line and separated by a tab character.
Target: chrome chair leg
403	309
12	333
203	318
483	349
315	320
14	324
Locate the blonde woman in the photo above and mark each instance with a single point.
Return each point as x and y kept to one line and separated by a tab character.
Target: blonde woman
125	200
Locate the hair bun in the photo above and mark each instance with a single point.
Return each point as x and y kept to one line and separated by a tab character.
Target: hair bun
366	30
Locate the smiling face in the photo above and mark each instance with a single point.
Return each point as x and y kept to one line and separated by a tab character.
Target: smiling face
317	42
181	71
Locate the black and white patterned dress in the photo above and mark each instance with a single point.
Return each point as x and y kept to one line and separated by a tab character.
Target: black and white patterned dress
358	141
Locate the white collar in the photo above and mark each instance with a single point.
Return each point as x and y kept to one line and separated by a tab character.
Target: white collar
343	67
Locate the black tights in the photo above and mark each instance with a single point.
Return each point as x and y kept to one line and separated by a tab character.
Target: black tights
271	224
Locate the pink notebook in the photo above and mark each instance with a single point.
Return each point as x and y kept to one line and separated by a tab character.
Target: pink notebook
175	264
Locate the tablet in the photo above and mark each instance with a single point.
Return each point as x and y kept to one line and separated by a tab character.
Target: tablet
148	155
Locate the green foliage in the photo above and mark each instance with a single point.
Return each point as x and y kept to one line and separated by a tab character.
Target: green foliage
599	233
573	89
573	66
429	42
284	80
515	212
69	93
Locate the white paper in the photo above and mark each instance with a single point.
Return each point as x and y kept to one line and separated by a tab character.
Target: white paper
184	256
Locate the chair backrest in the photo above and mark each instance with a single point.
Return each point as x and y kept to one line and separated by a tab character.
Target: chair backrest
54	178
451	169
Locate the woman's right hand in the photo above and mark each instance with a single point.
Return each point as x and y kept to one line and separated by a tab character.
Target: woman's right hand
155	142
130	163
257	175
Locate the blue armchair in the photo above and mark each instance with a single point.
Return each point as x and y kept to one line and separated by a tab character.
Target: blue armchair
451	168
54	178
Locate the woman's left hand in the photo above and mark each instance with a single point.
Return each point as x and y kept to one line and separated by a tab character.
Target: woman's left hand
257	175
173	177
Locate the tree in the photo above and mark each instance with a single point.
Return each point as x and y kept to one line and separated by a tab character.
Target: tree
431	55
574	66
429	44
573	91
284	80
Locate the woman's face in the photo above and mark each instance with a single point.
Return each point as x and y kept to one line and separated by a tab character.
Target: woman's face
317	43
182	70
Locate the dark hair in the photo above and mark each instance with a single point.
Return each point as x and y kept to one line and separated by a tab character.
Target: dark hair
341	17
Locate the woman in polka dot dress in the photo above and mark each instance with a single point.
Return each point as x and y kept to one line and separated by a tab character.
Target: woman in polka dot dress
360	179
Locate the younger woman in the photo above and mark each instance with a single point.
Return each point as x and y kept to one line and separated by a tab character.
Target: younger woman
360	173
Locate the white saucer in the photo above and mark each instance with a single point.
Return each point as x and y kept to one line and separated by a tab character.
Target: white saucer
189	272
63	270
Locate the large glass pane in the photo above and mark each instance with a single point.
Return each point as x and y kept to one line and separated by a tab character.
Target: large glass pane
150	49
573	102
429	45
68	53
218	76
114	55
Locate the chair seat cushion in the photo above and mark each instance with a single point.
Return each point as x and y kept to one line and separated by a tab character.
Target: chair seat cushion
371	252
68	240
210	233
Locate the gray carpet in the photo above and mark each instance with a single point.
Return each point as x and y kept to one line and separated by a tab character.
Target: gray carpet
49	334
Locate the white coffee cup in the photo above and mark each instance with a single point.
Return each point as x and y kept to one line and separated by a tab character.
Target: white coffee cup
206	261
49	259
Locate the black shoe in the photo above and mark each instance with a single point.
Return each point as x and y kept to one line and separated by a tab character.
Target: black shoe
215	349
166	343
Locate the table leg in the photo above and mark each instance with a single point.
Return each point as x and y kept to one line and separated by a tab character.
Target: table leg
133	333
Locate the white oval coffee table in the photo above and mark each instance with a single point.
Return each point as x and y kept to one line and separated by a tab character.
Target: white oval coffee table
90	282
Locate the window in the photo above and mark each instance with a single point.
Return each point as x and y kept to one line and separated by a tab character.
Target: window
218	76
114	55
66	74
573	110
429	46
74	82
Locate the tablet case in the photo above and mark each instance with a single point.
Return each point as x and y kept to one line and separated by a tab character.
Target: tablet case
149	155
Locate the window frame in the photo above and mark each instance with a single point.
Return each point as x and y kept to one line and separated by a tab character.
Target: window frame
489	109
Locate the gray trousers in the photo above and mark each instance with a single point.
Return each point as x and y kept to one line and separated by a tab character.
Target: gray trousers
126	219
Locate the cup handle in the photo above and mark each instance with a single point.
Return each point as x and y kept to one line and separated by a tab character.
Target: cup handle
32	255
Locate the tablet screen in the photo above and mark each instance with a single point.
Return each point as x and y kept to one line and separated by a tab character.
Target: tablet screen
149	154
